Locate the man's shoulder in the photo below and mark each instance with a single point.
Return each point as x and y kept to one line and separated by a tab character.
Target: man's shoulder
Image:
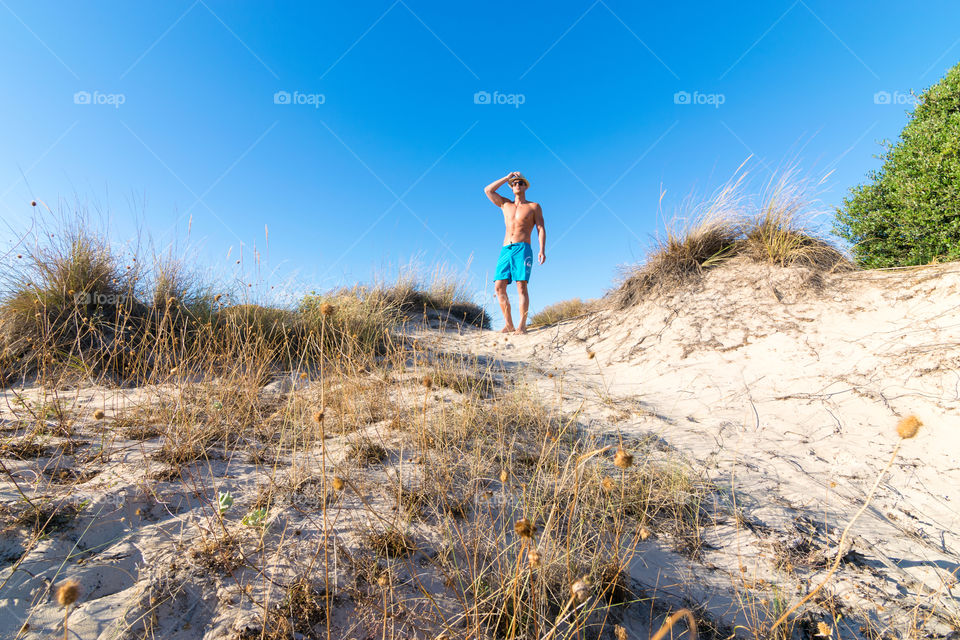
535	205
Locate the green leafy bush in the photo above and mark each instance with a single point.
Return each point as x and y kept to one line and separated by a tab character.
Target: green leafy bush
910	213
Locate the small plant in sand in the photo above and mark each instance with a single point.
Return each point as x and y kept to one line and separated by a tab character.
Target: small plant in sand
256	518
224	502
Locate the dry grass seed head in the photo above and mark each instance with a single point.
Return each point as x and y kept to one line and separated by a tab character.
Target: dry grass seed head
908	427
68	592
623	459
533	558
524	528
580	590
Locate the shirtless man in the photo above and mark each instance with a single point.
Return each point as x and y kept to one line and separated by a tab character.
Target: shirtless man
520	216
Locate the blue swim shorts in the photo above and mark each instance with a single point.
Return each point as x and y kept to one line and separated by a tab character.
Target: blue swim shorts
515	263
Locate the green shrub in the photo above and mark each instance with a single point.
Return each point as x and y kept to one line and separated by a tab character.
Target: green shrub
909	214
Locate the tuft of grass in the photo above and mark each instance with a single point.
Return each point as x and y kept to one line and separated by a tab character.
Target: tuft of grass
777	231
44	516
421	503
366	452
217	553
563	310
24	448
689	247
390	542
444	292
780	232
302	608
464	382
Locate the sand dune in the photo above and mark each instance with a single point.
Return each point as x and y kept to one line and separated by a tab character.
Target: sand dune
782	388
785	388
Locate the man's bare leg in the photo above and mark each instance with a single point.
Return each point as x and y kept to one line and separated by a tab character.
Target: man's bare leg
524	305
500	287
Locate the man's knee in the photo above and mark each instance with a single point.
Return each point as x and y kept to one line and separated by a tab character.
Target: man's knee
500	288
522	287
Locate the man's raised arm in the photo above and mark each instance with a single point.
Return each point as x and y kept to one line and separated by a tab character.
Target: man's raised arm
491	190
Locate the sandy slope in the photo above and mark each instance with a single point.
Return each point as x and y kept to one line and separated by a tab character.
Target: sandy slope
785	389
782	388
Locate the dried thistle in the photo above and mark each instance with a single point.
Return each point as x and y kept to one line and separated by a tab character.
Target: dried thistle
318	416
533	558
619	632
99	414
428	381
908	427
326	309
524	528
591	355
68	592
338	483
504	476
607	484
580	590
623	459
644	532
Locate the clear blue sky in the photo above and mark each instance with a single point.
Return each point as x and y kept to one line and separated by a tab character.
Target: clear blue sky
392	164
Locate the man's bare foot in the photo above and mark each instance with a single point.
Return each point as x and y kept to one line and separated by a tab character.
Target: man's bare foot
520	331
507	329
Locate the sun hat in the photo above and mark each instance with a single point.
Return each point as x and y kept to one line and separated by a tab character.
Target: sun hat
519	177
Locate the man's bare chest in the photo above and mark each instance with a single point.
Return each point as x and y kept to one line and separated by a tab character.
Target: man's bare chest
522	214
